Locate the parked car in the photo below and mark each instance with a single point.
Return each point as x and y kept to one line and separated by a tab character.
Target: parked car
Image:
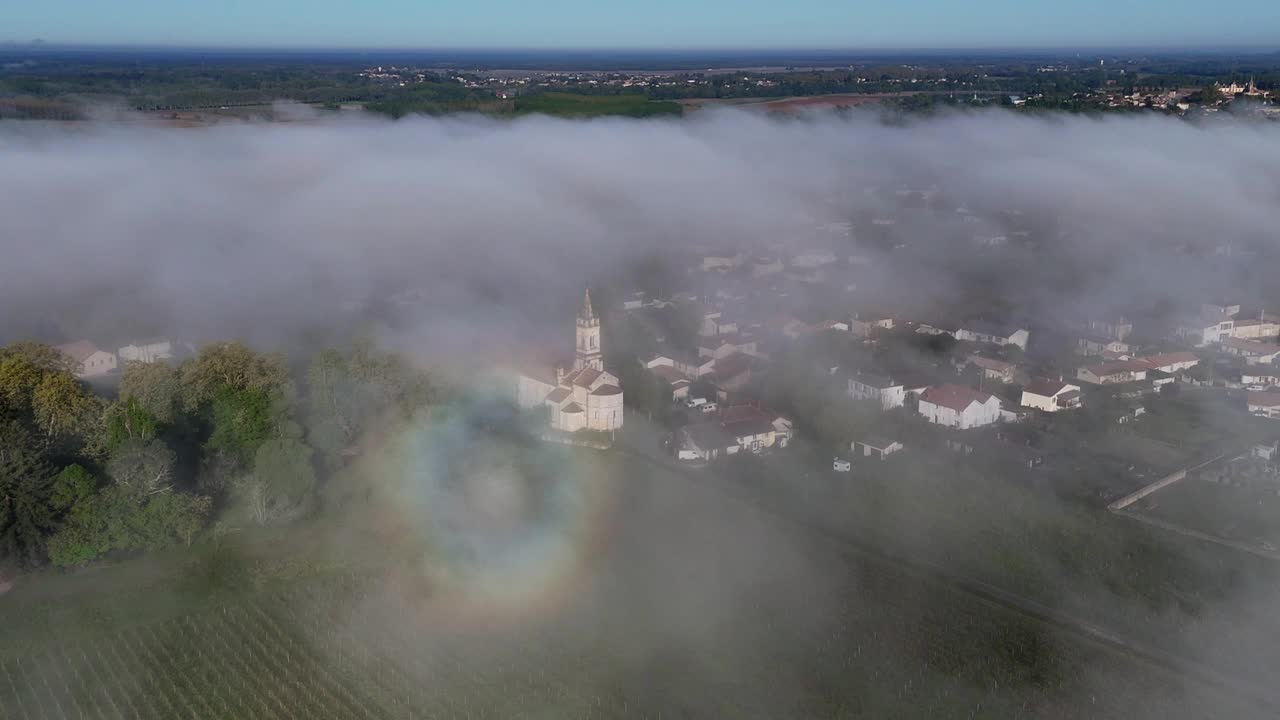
708	407
841	465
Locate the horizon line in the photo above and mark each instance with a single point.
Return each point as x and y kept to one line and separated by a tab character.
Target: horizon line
39	44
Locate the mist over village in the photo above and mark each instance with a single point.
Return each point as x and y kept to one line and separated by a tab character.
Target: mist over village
837	412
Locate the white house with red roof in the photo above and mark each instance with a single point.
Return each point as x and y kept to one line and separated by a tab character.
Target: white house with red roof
87	360
1050	395
959	407
1265	403
1171	362
584	397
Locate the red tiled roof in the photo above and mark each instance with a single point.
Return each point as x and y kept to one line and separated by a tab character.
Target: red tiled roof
559	394
1111	368
1264	399
668	373
1251	346
607	390
738	413
990	363
572	408
584	377
733	365
956	397
1045	387
749	427
1164	359
79	350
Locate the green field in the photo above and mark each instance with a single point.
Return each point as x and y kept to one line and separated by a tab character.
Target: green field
572	105
724	613
352	647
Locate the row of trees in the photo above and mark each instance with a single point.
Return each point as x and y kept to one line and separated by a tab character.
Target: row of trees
227	434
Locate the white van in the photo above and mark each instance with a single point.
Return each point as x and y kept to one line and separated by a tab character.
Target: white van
708	407
841	465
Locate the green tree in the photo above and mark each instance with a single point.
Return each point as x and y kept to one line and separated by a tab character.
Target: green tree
71	487
19	378
27	512
232	366
45	357
142	467
282	483
155	387
118	519
347	391
128	420
240	420
62	405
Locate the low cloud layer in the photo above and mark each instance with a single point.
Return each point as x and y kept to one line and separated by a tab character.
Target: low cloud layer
113	231
236	227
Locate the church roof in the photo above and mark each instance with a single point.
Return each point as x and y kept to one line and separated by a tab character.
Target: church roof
587	312
572	408
607	390
583	377
559	394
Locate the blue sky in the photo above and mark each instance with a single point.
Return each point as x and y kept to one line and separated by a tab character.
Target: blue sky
650	24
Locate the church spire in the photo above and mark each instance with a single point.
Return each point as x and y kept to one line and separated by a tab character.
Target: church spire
587	347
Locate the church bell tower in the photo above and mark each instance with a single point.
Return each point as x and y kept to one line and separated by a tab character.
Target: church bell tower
587	349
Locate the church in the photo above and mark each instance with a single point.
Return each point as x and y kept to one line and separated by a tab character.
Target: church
584	397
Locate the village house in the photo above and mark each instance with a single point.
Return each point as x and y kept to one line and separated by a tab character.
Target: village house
1050	395
1115	327
634	301
1173	362
795	327
867	324
734	371
927	329
1102	346
985	332
683	363
753	434
881	389
726	345
716	322
739	428
959	407
1254	329
585	397
1216	323
1264	403
87	360
1160	379
993	369
148	351
1112	373
876	446
704	441
678	381
1260	379
1253	352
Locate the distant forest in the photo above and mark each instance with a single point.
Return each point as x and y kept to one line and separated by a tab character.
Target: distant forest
63	86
